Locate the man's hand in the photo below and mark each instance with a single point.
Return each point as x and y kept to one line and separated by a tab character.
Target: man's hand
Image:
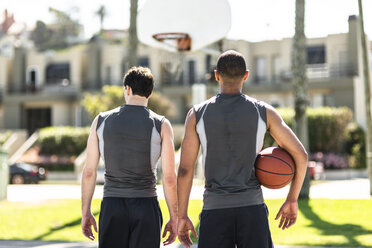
184	227
170	227
288	213
87	222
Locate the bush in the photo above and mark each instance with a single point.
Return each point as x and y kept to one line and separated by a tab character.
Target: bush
327	127
58	167
355	146
63	140
330	160
113	96
4	136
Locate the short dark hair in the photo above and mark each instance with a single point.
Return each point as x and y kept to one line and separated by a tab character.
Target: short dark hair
140	80
231	64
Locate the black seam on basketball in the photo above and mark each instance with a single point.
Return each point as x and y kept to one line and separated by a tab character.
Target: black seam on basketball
279	159
285	174
275	185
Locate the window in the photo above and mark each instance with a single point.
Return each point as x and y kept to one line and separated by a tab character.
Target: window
32	79
123	68
165	73
191	74
108	78
260	66
144	62
315	55
276	69
208	66
57	73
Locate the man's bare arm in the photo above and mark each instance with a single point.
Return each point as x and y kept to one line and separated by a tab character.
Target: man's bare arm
89	182
169	180
189	152
285	138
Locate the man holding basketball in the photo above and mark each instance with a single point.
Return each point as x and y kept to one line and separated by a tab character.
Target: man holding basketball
231	127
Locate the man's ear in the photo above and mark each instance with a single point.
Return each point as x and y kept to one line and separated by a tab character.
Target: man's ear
217	75
149	96
246	75
128	89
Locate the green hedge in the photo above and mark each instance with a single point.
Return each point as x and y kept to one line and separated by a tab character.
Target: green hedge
327	127
333	134
63	140
355	145
4	136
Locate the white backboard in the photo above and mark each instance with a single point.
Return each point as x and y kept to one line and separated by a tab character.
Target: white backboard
206	21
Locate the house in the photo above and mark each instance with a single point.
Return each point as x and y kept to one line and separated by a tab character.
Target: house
40	89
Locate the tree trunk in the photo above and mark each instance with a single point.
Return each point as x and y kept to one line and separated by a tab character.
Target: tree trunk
133	39
300	85
367	95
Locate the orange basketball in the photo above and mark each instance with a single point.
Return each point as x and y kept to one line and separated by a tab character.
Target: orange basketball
275	168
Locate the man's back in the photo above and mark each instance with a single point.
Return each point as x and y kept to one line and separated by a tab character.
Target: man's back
130	144
231	129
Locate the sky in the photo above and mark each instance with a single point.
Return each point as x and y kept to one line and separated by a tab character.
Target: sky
252	20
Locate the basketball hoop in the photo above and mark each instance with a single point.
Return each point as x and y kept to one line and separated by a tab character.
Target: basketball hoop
176	25
181	41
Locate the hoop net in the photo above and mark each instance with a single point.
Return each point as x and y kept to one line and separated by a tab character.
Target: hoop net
181	41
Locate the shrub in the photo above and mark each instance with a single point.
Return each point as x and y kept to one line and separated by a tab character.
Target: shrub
355	146
63	140
4	136
113	96
327	127
330	160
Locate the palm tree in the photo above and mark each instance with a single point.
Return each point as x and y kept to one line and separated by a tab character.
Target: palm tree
101	13
133	39
300	84
367	95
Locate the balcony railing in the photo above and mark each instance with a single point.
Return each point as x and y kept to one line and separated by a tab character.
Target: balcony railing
64	86
313	72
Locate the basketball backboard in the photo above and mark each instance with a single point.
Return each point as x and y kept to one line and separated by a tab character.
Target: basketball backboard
183	25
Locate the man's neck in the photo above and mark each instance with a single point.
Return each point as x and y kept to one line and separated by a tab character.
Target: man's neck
138	101
231	88
230	91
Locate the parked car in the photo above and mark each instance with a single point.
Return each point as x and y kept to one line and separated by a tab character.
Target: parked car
316	170
20	173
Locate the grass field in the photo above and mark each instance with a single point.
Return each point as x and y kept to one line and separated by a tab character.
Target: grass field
321	222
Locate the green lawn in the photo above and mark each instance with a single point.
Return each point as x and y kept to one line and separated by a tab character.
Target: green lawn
320	222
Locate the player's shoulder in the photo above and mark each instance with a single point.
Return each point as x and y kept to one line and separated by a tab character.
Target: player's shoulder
157	116
199	107
105	114
159	120
109	112
255	101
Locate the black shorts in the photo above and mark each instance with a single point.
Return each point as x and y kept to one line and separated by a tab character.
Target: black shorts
242	227
129	223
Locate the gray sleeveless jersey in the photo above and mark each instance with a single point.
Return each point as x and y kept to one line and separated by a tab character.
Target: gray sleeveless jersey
130	145
231	130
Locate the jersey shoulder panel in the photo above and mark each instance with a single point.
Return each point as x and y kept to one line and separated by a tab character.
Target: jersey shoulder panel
103	115
200	108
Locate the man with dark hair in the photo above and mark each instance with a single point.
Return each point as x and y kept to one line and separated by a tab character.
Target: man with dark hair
130	139
230	127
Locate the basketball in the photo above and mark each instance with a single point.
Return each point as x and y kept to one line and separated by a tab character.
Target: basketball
275	168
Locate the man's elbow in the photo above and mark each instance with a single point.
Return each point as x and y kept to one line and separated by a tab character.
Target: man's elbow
170	180
304	155
89	173
183	172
